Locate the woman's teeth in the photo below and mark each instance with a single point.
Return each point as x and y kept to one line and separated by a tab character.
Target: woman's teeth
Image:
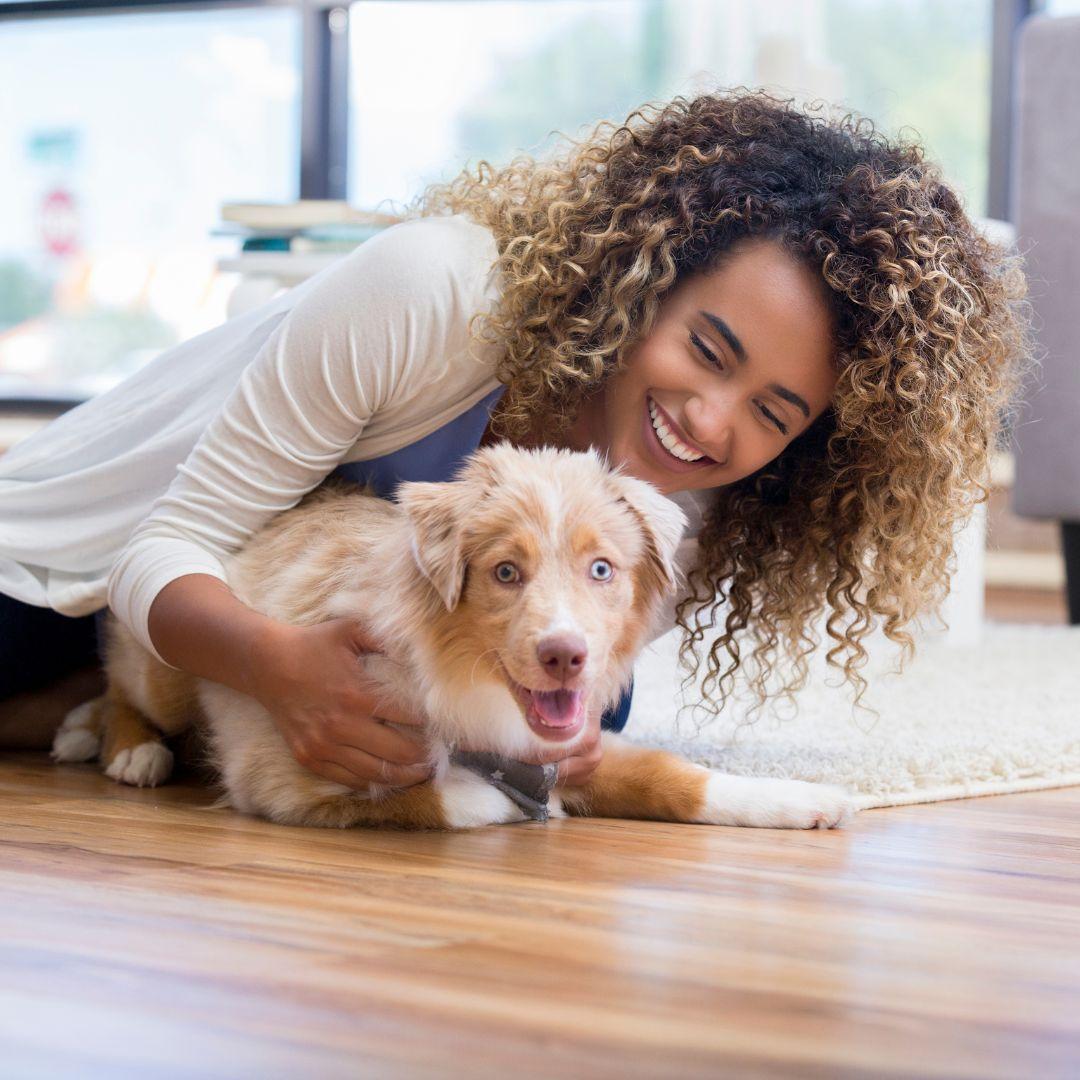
672	445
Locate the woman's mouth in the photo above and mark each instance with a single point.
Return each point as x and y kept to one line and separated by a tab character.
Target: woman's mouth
666	446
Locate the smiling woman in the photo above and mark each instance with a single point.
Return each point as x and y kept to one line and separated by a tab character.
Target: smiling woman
787	313
738	364
785	323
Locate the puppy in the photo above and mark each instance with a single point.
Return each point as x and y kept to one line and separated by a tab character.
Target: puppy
511	604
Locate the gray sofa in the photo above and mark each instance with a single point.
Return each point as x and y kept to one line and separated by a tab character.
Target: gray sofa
1046	211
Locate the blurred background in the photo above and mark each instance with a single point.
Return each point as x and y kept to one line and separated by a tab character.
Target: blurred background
125	127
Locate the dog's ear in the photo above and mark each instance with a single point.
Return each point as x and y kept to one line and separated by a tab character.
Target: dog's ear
437	514
662	523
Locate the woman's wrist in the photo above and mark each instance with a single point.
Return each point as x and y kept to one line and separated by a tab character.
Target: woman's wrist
267	658
198	625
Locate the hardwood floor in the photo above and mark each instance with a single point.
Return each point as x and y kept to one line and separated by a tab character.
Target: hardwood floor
146	935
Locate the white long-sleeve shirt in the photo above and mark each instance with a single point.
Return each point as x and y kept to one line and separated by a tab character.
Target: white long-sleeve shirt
176	467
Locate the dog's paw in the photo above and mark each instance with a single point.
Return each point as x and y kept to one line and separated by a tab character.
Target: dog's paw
768	803
470	802
75	739
145	766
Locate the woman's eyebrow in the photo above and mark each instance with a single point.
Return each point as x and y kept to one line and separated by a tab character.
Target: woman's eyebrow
790	395
727	334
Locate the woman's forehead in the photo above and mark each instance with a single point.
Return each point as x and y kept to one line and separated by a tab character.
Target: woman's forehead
768	310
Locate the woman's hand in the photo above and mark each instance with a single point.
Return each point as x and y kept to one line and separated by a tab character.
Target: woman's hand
331	715
576	769
310	680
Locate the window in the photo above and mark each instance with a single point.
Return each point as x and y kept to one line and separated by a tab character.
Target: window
492	78
121	136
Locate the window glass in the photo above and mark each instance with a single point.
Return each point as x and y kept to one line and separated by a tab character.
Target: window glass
491	78
121	135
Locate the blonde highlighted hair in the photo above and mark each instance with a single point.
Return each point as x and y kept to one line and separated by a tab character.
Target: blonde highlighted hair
856	517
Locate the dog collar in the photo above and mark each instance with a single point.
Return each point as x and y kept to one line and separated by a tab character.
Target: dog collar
528	786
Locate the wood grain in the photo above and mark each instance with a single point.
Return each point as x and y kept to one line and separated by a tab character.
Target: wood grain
142	934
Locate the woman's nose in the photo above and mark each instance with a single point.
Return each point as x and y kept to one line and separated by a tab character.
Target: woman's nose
719	447
710	427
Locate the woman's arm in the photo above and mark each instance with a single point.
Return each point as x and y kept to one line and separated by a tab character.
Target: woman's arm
367	333
307	679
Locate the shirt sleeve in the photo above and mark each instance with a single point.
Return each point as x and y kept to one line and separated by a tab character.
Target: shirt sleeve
358	339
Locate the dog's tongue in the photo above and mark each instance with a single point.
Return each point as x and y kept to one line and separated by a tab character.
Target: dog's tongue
558	708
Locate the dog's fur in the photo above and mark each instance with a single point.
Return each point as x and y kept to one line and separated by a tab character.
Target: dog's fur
460	647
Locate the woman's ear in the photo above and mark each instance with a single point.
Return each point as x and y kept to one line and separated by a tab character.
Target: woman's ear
437	514
662	523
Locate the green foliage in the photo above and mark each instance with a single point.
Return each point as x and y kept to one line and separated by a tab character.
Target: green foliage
922	65
576	78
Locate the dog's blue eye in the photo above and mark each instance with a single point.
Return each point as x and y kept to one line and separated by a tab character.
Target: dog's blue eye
506	572
601	570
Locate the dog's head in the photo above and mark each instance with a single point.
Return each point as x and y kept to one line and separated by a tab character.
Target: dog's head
544	570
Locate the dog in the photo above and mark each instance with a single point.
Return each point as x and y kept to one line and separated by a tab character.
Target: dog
511	603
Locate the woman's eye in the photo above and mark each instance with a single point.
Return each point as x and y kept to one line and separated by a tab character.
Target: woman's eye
601	570
506	573
774	420
706	351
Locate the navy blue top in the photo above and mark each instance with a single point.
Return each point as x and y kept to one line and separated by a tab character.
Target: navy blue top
435	458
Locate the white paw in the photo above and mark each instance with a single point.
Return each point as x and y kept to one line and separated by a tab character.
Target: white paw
74	739
145	766
470	802
768	803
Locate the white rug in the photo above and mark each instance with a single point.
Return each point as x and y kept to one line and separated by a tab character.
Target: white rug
1000	717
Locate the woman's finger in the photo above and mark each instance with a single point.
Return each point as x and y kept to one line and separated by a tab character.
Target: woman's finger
331	770
382	707
390	712
362	768
576	771
546	754
384	742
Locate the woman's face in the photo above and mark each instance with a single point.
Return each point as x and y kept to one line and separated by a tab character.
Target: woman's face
738	363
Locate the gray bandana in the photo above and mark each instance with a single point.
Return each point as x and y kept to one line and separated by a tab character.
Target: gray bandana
528	786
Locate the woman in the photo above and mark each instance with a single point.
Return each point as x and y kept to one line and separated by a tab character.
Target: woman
785	321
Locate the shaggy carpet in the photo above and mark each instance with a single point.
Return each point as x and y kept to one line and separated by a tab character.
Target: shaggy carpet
959	721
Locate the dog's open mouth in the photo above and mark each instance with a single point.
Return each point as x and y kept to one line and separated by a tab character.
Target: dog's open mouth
557	715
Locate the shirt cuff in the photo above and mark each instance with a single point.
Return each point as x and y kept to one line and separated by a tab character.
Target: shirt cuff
143	570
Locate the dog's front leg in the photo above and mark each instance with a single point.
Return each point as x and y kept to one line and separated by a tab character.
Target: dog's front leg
468	801
639	782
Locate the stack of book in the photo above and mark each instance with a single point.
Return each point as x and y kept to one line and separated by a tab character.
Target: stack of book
306	226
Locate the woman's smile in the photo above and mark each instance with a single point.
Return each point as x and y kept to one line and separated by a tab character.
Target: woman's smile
740	358
659	426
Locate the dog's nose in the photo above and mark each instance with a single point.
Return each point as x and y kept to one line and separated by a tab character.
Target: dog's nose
562	656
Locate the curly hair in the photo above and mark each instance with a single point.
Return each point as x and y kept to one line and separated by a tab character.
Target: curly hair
855	517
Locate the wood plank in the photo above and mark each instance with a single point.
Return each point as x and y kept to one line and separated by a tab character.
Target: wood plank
144	934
